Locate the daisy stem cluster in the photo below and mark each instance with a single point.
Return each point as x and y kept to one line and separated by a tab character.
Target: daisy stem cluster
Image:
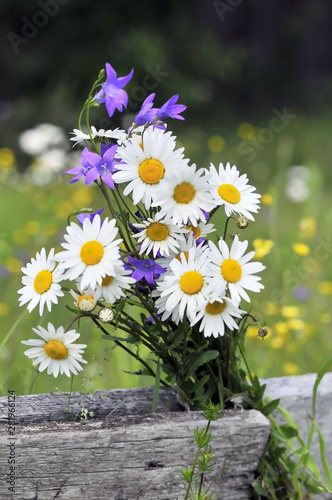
155	272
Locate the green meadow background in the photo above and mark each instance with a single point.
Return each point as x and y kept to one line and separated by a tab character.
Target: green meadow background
247	104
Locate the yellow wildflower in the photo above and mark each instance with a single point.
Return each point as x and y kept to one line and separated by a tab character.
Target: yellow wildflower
281	328
295	324
290	311
267	199
291	369
252	331
246	131
216	143
277	343
308	227
301	249
262	247
7	158
325	288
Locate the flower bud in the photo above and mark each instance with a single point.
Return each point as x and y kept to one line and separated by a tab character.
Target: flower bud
83	302
262	332
106	315
233	234
242	222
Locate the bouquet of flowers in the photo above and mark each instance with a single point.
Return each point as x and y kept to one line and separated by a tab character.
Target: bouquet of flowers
155	271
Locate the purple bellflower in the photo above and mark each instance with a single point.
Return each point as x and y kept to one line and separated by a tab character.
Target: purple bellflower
147	269
94	165
171	110
146	114
81	217
112	93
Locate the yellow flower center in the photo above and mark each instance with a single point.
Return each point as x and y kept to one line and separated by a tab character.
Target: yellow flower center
157	231
107	280
43	281
92	252
215	307
151	171
231	270
55	349
195	230
85	302
186	254
191	282
184	193
229	193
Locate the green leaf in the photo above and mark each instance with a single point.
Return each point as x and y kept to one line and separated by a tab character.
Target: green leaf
326	465
259	489
312	485
325	368
202	359
269	407
201	382
289	431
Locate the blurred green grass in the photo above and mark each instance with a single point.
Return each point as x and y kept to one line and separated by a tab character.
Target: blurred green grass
296	301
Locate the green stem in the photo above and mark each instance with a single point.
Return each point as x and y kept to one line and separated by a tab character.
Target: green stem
114	215
33	381
72	321
195	463
246	363
150	311
138	358
226	224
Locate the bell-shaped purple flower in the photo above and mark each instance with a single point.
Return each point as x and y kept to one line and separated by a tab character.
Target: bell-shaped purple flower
146	114
81	217
171	110
146	268
94	165
112	93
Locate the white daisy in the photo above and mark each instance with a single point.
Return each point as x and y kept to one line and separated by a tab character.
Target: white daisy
91	251
230	189
184	246
148	164
56	350
135	135
112	287
232	268
201	230
184	287
41	282
84	300
80	136
184	195
159	235
215	313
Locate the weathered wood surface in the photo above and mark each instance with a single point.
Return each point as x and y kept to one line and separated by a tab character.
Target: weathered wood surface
41	408
136	457
133	454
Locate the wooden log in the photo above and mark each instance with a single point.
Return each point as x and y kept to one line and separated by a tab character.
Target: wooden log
125	452
137	457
